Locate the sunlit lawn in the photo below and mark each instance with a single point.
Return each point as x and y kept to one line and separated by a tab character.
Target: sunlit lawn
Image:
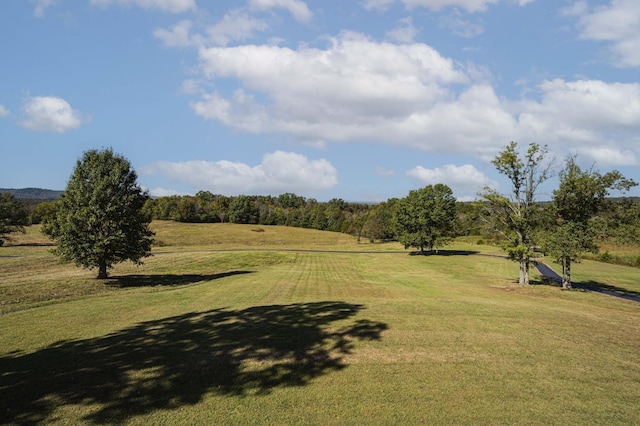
197	336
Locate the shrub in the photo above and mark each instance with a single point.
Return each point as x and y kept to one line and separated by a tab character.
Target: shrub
605	257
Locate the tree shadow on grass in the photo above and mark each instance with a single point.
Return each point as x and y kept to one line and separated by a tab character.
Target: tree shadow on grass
550	277
176	361
444	253
609	289
168	280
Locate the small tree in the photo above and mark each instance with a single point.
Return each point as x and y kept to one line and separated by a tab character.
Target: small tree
357	216
515	216
42	211
100	220
13	217
426	217
579	199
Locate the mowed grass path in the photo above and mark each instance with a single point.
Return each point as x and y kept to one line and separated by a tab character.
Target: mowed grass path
279	337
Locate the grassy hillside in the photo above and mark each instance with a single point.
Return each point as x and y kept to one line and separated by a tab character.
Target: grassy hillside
190	236
201	334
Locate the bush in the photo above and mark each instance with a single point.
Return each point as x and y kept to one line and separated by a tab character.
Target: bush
605	257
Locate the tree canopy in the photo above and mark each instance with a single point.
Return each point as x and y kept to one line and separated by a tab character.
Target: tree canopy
13	216
100	220
515	216
577	203
426	217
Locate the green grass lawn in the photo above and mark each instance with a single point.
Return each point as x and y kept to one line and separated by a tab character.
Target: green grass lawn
201	334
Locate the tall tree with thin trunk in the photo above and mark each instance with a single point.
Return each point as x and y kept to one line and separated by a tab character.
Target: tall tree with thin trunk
515	216
100	220
577	203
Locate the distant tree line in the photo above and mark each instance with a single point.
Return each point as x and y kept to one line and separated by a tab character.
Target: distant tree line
372	221
436	215
425	219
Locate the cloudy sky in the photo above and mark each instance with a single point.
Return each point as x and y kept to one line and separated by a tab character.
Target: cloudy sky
362	100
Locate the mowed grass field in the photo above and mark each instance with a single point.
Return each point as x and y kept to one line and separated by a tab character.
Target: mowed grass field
231	324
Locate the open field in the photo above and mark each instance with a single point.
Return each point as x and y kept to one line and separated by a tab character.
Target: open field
226	324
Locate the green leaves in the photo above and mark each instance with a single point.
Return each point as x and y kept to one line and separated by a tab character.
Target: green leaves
426	218
515	216
577	203
13	216
100	219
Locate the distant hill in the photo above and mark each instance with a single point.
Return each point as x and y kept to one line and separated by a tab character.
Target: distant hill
33	193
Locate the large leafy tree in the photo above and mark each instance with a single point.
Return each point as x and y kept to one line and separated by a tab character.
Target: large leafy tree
515	216
13	216
578	203
426	217
100	220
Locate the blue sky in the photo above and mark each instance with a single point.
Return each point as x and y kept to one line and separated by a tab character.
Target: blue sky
361	100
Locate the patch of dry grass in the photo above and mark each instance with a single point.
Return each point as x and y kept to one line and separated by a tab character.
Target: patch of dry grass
226	236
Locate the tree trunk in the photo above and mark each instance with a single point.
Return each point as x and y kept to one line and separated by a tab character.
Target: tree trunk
102	270
523	276
566	274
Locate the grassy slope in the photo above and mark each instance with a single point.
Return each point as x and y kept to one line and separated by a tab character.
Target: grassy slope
311	338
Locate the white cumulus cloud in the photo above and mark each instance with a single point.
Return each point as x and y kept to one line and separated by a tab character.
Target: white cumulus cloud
378	5
169	6
297	8
49	114
279	172
467	5
179	35
404	32
236	25
355	89
408	94
617	24
584	115
3	111
609	156
465	181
